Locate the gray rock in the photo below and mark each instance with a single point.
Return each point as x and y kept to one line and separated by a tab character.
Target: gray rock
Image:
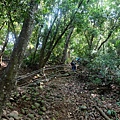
14	114
11	118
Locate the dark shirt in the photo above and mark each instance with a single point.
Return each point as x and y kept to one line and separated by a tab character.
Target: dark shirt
72	63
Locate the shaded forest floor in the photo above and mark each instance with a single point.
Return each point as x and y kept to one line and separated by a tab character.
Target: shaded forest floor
61	94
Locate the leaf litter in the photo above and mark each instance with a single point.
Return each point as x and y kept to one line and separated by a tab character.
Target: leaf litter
62	98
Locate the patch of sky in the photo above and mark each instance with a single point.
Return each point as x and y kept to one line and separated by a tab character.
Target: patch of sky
11	38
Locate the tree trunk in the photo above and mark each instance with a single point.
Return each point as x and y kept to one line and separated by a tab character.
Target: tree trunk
64	57
44	44
37	44
7	82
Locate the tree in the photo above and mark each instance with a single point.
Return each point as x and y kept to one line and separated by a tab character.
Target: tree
7	81
98	23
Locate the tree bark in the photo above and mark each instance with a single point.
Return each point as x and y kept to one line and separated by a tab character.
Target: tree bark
64	57
7	81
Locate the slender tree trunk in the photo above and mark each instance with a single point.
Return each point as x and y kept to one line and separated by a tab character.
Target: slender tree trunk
7	81
64	57
37	44
44	43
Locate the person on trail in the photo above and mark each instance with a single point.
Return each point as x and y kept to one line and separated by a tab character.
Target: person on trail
78	60
73	64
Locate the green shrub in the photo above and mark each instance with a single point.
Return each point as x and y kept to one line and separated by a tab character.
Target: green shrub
105	67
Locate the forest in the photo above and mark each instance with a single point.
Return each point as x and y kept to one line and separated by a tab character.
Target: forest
38	41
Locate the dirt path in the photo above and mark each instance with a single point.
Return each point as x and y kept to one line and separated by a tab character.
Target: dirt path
69	99
63	98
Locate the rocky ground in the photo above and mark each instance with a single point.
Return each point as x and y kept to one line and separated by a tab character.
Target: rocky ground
66	96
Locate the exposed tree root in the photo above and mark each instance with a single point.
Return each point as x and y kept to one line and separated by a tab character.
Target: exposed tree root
44	75
102	113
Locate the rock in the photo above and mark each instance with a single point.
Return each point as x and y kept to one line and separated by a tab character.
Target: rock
14	114
4	119
43	109
83	107
27	98
40	112
4	112
8	104
31	116
36	93
26	111
11	118
23	111
37	104
24	97
33	107
53	118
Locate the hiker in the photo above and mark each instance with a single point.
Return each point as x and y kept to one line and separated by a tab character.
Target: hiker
73	64
78	60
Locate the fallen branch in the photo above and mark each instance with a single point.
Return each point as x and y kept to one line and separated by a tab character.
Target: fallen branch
39	71
41	79
102	113
23	78
28	75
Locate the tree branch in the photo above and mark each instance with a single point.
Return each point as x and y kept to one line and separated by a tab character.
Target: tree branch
6	40
11	21
109	35
2	25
